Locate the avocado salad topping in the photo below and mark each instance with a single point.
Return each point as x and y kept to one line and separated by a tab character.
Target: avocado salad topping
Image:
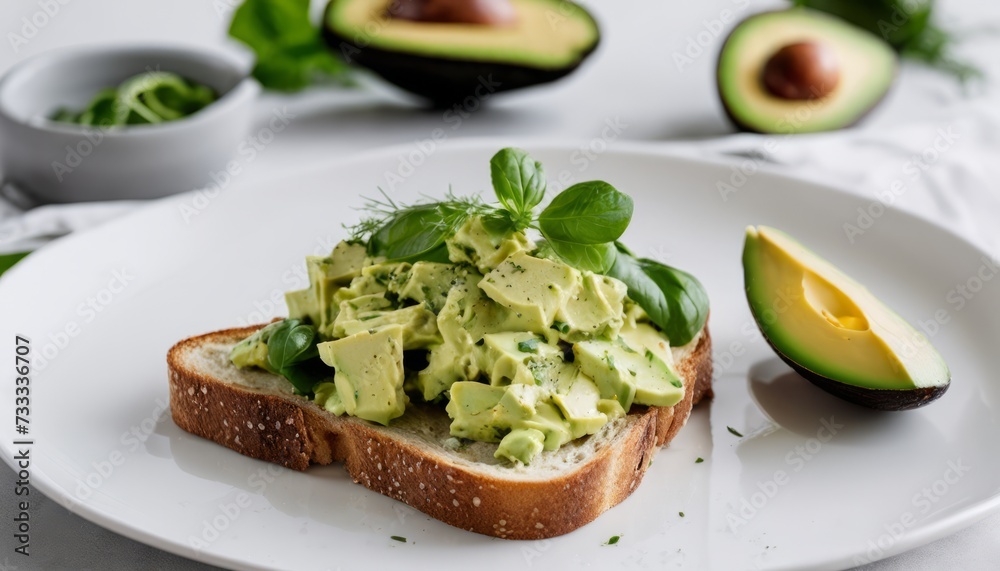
531	328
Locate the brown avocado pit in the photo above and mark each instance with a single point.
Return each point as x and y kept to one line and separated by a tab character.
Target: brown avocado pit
482	12
802	71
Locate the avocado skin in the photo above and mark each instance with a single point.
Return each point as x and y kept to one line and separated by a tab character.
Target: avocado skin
877	399
445	82
750	129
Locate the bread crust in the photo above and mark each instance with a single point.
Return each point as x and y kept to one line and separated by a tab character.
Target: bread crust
294	433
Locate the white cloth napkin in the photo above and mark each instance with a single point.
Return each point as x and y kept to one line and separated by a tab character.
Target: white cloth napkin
945	172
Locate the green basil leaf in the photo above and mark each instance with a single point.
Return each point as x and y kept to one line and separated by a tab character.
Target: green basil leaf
290	52
305	375
674	300
597	258
587	213
7	261
410	234
519	181
292	342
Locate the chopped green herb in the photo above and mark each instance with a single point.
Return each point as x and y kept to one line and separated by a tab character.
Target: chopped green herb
614	539
680	514
368	317
699	460
398	538
734	431
560	326
528	346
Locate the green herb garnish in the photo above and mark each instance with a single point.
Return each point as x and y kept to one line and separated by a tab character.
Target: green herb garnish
699	460
733	431
292	352
528	345
580	226
291	53
7	261
398	538
614	539
680	514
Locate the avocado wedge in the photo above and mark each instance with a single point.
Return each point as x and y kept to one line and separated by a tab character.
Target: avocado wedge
801	71
833	331
449	62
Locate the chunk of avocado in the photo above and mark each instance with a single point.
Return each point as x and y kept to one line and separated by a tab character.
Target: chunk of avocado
473	244
447	62
533	289
629	374
252	351
472	410
801	71
428	282
369	373
521	445
517	358
488	413
835	332
577	397
594	308
327	275
372	312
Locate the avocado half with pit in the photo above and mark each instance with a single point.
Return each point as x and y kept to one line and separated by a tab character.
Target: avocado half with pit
449	62
833	331
801	71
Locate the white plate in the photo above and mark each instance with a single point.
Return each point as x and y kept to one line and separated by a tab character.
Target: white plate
880	485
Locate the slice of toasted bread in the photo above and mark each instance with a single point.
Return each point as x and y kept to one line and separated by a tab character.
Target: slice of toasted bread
413	460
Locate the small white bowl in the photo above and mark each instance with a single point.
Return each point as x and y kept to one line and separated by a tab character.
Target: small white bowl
61	162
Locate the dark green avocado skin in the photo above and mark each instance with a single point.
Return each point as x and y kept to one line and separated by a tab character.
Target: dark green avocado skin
445	82
878	399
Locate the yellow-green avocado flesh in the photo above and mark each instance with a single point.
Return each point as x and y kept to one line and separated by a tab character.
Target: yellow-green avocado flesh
867	70
833	330
448	62
527	351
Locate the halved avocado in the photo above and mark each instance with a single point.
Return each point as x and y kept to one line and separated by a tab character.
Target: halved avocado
833	331
801	71
447	62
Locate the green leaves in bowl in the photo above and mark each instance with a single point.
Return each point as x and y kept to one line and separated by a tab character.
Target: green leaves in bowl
147	98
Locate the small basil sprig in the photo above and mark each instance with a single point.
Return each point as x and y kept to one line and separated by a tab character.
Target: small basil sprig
292	352
581	226
519	183
674	300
